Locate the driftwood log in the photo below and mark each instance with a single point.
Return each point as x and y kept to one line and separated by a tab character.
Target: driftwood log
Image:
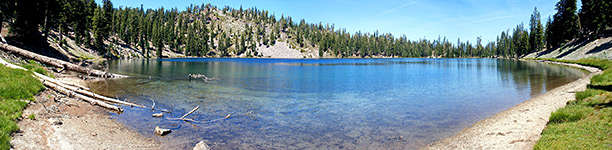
209	121
190	112
84	92
80	96
58	63
3	40
7	64
74	91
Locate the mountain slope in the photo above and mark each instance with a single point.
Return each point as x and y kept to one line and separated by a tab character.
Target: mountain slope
577	49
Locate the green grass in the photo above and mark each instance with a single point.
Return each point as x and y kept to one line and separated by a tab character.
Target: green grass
600	63
592	132
588	93
15	87
585	123
570	113
37	67
604	79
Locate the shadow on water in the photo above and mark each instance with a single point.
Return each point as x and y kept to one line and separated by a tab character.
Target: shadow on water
324	103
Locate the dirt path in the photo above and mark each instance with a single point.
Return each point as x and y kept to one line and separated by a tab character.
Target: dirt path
66	123
520	126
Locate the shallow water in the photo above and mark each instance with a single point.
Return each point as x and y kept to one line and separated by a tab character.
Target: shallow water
323	103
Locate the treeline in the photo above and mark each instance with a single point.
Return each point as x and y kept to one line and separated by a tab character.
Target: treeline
590	22
205	30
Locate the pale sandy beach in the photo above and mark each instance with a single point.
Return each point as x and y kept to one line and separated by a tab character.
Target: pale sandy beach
520	126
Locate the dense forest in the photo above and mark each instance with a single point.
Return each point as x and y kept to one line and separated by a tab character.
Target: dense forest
208	31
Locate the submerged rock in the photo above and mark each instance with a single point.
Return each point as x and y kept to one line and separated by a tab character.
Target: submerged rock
158	115
161	132
201	146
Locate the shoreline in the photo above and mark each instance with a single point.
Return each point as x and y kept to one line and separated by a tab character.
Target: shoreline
520	126
90	127
62	122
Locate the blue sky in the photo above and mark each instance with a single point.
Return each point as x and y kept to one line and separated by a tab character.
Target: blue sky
417	19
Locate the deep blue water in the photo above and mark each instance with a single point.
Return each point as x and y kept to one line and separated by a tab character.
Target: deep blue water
324	103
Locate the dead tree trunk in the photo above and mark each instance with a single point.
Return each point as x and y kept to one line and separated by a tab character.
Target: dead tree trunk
72	90
84	92
83	97
59	63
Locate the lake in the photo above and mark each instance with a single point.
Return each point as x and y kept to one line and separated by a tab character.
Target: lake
322	103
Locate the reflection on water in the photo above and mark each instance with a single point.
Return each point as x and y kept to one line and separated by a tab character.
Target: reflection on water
324	103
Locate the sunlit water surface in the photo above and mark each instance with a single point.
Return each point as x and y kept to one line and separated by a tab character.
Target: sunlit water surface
323	103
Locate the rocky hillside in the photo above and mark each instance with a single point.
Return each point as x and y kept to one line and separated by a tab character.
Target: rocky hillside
577	49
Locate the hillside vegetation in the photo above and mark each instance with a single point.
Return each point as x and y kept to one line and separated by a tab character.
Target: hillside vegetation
83	27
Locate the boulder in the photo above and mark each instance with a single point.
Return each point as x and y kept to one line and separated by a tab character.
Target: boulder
201	146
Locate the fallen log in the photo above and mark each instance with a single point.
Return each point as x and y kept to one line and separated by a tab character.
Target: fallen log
63	51
7	64
73	84
58	63
80	96
47	81
3	40
84	92
2	61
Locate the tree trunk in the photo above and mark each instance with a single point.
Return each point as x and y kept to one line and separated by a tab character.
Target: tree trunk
70	90
84	92
59	63
83	97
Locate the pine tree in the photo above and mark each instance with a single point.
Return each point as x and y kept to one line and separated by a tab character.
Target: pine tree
594	16
536	33
7	9
101	25
565	23
27	20
99	29
549	33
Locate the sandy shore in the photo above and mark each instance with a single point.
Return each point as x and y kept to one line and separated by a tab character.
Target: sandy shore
66	123
520	126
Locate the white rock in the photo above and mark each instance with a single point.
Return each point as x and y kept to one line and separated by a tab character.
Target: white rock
201	146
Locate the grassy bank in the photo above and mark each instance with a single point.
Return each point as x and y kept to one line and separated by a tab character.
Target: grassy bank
16	88
585	123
